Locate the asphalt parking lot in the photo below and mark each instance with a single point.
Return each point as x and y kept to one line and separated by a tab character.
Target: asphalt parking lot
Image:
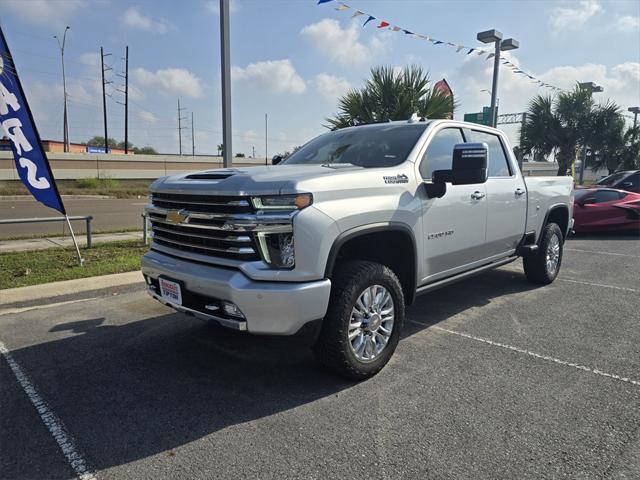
494	378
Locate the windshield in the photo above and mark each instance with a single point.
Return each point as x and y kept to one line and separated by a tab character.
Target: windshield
376	146
611	179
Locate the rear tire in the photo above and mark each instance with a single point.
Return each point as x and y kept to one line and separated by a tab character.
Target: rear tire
362	326
543	266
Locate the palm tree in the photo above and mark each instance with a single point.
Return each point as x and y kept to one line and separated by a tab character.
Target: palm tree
607	139
558	125
392	95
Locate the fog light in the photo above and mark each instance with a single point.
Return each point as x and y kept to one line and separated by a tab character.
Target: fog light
232	310
278	249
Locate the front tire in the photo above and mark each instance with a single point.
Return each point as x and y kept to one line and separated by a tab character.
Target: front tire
362	326
543	266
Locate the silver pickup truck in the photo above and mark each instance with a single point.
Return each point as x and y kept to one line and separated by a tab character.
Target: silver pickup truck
344	233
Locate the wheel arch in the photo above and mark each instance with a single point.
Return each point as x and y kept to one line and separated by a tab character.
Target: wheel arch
362	242
558	214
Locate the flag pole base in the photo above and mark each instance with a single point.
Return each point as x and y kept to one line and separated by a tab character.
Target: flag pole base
75	242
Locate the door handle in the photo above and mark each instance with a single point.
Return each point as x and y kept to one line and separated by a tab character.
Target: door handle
519	192
477	195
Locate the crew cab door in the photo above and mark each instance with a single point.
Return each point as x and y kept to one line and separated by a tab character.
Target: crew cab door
506	196
453	225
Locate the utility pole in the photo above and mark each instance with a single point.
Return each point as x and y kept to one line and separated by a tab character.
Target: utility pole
65	123
494	36
180	127
254	152
266	125
104	107
126	99
193	139
225	72
590	87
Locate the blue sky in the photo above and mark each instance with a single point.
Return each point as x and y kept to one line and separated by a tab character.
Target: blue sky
293	58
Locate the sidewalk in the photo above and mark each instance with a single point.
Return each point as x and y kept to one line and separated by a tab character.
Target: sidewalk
53	242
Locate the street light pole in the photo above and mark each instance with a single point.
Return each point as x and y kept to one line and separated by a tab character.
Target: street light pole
65	127
225	57
494	36
590	87
635	111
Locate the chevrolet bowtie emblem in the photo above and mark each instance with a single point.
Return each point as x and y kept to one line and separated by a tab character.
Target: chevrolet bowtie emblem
177	216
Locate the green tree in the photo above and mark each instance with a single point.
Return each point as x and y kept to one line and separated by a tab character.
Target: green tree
220	149
98	141
566	124
606	137
631	151
558	125
392	95
144	151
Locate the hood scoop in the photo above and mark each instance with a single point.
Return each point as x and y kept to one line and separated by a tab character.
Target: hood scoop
210	175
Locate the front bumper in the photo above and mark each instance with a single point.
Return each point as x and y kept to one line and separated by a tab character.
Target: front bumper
273	308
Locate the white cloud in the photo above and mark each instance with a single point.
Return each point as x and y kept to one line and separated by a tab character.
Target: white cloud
620	82
176	81
278	76
574	16
147	117
342	44
91	59
134	19
44	12
213	6
331	87
628	23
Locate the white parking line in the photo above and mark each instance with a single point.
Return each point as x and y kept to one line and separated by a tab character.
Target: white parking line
533	354
626	289
602	253
50	420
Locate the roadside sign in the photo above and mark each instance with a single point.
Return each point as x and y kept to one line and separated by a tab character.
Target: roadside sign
482	118
91	149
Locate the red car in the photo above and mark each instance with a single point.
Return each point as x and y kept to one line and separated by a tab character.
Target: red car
600	209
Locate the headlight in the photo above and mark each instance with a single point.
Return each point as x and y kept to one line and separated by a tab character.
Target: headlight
278	249
283	202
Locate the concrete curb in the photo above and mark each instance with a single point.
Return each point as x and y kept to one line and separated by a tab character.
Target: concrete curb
67	287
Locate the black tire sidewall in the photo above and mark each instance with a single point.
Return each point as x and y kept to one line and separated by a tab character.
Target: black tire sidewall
333	347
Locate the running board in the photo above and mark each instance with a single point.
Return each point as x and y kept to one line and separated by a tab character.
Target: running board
461	276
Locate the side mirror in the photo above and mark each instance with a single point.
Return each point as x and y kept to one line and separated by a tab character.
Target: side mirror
469	163
435	190
588	201
276	159
626	184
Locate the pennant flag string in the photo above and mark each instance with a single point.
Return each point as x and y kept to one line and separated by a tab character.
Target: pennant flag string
342	6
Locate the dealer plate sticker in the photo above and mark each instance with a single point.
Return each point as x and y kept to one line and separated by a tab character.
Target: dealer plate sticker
170	291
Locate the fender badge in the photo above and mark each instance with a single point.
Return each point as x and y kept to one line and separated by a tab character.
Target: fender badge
177	216
401	178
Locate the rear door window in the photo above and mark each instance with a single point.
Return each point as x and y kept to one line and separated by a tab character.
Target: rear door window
498	164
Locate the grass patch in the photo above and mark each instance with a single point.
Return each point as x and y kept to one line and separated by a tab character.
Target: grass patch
97	183
20	269
87	186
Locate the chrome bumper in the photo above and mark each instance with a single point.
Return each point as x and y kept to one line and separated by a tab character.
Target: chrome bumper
274	308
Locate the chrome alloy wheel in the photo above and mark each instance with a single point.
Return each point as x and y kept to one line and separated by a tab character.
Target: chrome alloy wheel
552	255
371	323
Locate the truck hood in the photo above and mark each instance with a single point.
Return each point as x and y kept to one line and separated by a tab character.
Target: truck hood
263	180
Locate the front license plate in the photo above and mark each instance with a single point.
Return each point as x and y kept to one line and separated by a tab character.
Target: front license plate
170	291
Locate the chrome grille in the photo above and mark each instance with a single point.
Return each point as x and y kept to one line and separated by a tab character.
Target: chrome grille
213	226
201	203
